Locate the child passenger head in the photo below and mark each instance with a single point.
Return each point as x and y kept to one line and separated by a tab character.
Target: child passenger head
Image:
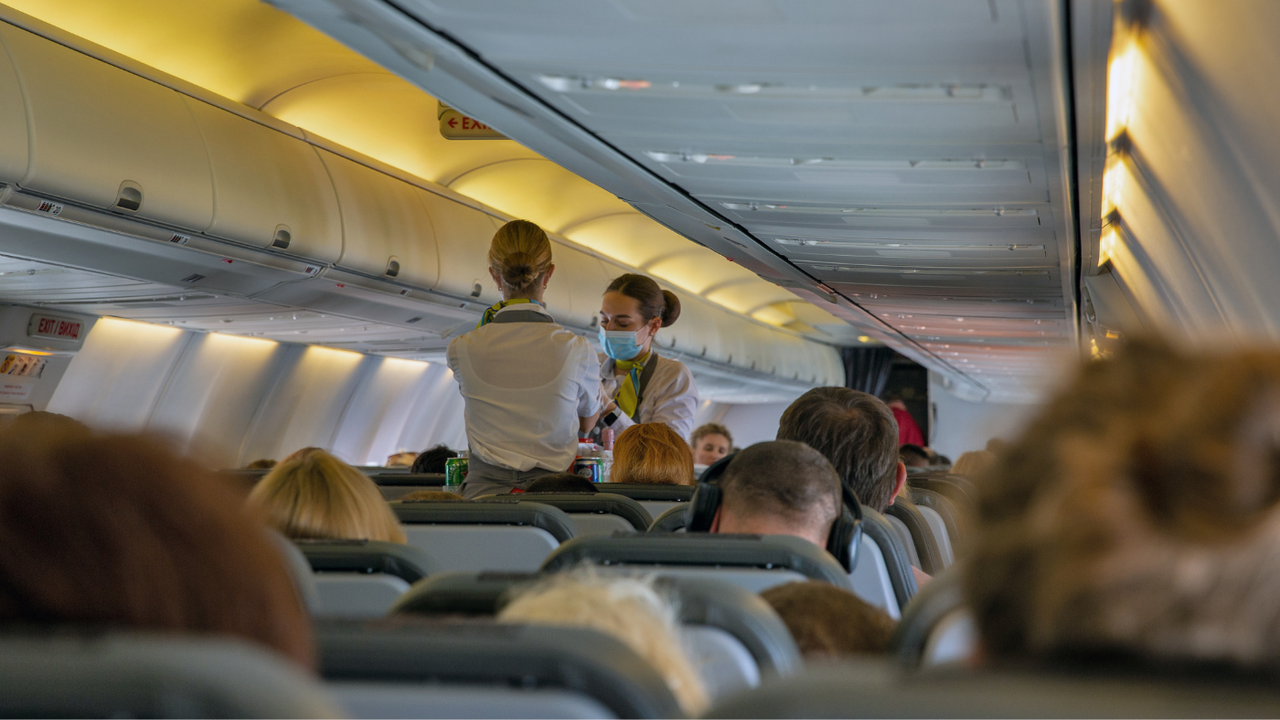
1138	513
314	495
115	530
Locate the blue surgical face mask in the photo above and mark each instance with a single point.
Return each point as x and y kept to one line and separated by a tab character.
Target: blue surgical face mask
619	344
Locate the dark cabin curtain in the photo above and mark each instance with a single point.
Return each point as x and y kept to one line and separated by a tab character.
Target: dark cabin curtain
867	368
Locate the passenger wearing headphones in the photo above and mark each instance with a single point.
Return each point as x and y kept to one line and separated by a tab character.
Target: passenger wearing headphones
530	385
644	387
780	487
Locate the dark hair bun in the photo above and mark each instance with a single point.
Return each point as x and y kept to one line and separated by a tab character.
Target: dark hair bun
671	310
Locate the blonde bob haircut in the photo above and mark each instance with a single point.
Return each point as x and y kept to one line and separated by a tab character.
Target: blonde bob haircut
520	254
314	495
651	453
627	608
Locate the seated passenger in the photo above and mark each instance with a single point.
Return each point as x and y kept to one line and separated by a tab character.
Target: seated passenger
433	460
114	530
629	609
263	464
561	483
1138	516
974	463
651	453
830	623
856	432
314	495
914	456
429	496
401	459
710	442
779	487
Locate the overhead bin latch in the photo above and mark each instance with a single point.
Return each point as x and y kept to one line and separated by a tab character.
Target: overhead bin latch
129	197
393	267
282	238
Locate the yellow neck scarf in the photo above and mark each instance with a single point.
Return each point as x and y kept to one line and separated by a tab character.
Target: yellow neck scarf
628	394
493	310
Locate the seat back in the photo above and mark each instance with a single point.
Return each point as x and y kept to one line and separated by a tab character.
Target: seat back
591	514
509	537
754	562
362	578
882	575
654	498
735	636
304	580
939	509
395	485
862	691
670	520
91	673
565	671
936	627
920	541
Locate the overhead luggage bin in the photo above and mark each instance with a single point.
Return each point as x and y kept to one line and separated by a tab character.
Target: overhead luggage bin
107	138
271	189
152	674
386	230
464	236
13	119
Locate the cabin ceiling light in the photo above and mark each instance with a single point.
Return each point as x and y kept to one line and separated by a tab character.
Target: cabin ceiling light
904	92
885	212
911	244
663	156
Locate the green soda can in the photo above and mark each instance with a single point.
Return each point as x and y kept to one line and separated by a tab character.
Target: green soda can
455	471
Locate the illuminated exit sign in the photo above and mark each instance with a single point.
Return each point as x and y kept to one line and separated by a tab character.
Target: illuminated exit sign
456	126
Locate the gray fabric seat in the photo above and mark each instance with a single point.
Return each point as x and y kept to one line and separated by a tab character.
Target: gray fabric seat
395	485
936	628
300	572
91	673
920	541
934	504
736	637
754	562
362	578
592	514
428	669
655	499
503	537
877	691
883	574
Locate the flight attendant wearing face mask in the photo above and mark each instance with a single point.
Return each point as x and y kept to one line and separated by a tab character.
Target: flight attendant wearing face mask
643	387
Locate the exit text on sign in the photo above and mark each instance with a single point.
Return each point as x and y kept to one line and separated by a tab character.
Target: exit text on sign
456	126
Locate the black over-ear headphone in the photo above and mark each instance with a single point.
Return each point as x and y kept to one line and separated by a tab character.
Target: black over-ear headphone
842	541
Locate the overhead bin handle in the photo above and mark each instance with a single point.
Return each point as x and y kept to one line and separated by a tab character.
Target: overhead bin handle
129	197
393	267
282	237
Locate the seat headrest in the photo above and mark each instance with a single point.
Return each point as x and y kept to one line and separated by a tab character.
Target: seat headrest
366	556
408	478
871	690
772	552
536	657
645	491
89	672
529	513
714	603
599	503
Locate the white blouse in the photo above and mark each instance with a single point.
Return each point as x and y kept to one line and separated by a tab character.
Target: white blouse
525	385
671	396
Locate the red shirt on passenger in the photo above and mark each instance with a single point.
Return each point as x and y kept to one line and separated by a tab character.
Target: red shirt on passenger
908	431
